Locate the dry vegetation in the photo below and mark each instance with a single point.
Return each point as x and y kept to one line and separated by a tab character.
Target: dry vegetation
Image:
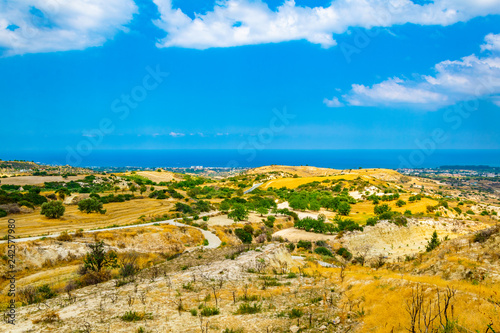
119	213
271	285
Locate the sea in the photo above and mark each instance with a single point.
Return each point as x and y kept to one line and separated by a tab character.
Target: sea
234	158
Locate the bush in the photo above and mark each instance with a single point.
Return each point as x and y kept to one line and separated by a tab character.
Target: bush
53	209
295	313
371	221
304	244
381	209
97	258
3	213
400	203
90	206
64	237
399	220
135	316
291	247
244	236
248	228
246	308
470	212
208	311
323	251
344	253
348	224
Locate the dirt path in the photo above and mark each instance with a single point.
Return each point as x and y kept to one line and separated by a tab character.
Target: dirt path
213	240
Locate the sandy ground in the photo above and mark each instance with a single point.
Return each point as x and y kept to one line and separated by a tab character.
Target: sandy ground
294	235
36	180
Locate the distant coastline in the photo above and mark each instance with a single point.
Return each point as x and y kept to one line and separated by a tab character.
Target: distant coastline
339	159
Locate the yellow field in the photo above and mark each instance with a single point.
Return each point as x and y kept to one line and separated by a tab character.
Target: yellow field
120	213
37	180
292	183
164	176
363	210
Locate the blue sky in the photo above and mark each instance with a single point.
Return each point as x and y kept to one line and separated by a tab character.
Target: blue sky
348	76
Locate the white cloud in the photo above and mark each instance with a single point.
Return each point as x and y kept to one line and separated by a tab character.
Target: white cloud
175	135
35	26
492	43
469	78
333	103
248	22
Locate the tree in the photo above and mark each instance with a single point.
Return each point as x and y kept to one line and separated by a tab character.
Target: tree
433	243
97	258
90	206
315	205
143	189
224	206
238	213
53	209
344	208
132	188
380	209
116	188
262	210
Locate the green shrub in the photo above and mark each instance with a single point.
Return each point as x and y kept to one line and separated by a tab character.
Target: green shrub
207	311
371	221
246	308
295	313
323	251
244	236
3	213
307	245
135	316
344	253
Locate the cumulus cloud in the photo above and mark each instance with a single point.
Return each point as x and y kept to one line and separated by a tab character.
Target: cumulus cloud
333	103
469	78
175	135
248	22
35	26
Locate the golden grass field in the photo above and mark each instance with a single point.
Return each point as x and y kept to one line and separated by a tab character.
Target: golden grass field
292	183
164	176
120	213
37	180
363	210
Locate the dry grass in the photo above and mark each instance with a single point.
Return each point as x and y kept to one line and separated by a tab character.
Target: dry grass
37	180
361	211
385	296
119	213
292	183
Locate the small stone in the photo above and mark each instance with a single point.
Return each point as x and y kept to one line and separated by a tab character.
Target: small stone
294	329
322	328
